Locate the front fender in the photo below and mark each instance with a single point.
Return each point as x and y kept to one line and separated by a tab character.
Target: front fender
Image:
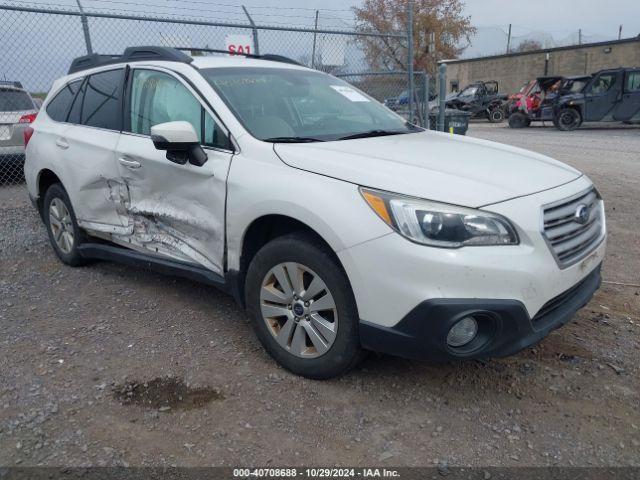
333	208
575	104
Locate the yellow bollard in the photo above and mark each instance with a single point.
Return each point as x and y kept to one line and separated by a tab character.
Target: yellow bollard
451	130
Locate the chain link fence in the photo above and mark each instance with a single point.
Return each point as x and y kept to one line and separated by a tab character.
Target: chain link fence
38	45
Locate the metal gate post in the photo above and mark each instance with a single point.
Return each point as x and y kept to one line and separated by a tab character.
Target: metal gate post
256	47
410	55
85	29
315	35
426	100
442	79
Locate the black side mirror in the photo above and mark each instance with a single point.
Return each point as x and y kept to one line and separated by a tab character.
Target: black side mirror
180	141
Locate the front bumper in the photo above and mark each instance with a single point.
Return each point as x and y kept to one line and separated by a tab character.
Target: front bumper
505	325
394	279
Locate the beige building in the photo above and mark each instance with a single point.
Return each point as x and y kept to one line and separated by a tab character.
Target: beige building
514	69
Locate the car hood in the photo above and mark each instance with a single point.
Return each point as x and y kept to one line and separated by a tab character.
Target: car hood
436	166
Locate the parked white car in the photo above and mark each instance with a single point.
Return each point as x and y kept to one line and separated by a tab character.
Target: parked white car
339	226
17	111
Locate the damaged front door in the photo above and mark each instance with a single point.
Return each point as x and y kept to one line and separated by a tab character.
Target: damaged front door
176	211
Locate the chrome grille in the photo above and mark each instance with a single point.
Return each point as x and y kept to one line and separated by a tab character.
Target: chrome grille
568	239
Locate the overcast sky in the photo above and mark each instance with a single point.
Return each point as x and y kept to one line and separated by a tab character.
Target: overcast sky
552	22
593	16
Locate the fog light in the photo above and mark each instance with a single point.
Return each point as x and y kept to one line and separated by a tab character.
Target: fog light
462	332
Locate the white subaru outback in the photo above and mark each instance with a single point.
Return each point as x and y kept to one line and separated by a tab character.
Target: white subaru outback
338	225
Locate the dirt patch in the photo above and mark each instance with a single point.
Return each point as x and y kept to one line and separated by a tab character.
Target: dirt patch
164	394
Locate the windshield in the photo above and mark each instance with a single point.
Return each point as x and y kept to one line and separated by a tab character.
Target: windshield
278	104
14	101
469	91
578	85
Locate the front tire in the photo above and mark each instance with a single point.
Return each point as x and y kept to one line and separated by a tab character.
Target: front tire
302	307
568	119
496	115
64	234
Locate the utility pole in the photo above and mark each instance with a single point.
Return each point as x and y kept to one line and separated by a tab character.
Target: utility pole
315	34
85	29
256	47
410	55
580	37
620	33
509	40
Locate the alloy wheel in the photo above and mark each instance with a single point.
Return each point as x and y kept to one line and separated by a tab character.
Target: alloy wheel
299	310
61	225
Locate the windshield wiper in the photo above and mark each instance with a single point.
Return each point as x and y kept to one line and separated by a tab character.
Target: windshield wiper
292	140
372	133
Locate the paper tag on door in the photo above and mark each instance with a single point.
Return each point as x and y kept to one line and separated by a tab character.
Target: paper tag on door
350	93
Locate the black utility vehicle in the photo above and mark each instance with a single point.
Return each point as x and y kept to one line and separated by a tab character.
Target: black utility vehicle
481	100
611	95
536	101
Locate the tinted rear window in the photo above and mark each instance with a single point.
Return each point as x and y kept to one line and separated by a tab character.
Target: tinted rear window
58	108
101	107
14	101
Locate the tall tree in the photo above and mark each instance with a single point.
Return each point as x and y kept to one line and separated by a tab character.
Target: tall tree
445	18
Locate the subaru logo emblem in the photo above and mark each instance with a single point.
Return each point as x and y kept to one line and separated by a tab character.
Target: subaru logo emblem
298	309
582	214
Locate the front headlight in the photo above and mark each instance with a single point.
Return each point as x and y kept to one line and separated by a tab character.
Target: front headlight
439	224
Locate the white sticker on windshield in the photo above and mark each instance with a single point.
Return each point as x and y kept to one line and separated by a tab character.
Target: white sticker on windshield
350	93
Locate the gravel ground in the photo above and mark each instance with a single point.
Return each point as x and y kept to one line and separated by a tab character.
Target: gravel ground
109	365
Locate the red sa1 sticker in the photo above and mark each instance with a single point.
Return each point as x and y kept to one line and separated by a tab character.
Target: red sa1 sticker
239	44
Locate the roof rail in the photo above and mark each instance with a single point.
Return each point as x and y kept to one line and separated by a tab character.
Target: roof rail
267	56
9	83
131	54
279	58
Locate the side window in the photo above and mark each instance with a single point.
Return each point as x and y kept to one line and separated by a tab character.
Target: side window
101	106
58	108
604	83
214	135
633	81
157	97
76	106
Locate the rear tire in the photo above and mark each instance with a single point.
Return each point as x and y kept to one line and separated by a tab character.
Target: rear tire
519	120
284	280
568	119
59	218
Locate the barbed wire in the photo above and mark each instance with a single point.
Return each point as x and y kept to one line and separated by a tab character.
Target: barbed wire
235	17
235	12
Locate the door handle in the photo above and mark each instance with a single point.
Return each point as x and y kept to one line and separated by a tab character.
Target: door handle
62	143
127	162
